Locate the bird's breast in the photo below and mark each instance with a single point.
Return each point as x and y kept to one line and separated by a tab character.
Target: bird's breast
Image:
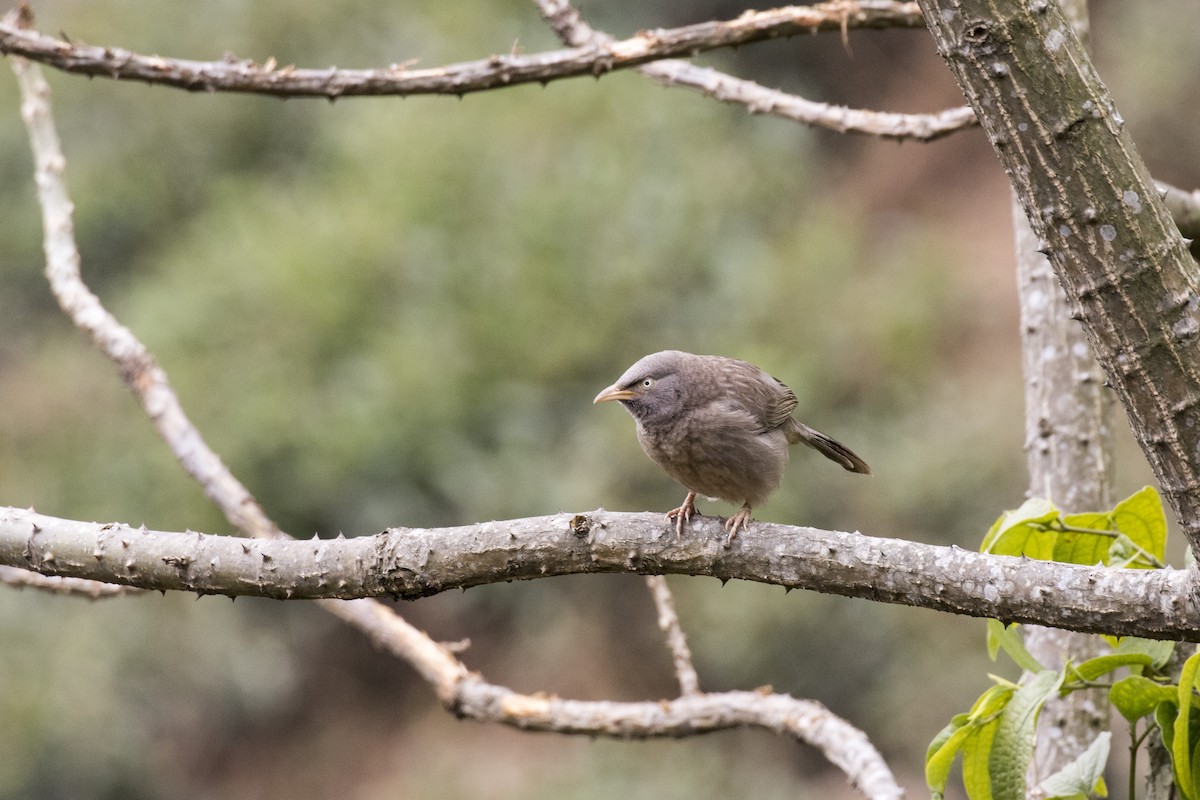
717	451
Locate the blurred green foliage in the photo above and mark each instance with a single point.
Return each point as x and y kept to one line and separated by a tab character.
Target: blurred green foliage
396	312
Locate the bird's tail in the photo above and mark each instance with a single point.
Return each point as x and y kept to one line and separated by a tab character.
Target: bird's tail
825	445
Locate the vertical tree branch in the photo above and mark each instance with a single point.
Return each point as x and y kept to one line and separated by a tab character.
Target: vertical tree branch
1068	450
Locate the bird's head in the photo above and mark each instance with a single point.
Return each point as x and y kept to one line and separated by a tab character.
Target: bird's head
653	388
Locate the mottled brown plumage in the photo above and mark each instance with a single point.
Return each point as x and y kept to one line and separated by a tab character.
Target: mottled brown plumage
719	426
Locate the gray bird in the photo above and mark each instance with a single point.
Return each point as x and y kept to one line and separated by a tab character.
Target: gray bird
719	426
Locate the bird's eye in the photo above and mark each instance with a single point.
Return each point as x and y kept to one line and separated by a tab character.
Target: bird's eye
647	383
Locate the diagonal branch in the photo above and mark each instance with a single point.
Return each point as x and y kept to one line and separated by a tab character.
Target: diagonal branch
759	99
417	562
668	622
574	30
137	366
1091	201
594	58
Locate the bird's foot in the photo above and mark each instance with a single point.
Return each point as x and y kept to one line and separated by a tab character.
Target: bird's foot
682	515
738	522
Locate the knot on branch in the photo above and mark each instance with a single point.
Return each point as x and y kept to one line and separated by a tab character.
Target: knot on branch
979	38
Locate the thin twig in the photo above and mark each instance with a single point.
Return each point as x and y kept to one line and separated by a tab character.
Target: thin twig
459	690
668	622
593	58
94	590
757	99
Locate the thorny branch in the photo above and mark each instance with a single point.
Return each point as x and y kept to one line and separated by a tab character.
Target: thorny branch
409	563
1091	201
574	30
594	58
461	691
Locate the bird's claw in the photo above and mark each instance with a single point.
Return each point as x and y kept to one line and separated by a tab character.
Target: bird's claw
738	522
683	515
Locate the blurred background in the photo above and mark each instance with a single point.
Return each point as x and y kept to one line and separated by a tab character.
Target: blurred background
388	312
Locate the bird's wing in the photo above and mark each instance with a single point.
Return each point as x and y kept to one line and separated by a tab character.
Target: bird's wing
767	399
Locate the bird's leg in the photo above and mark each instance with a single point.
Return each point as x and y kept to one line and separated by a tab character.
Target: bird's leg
683	514
738	522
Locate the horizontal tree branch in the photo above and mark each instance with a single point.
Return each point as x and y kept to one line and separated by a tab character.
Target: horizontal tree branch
416	562
242	75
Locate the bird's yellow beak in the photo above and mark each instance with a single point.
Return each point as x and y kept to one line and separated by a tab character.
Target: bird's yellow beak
613	392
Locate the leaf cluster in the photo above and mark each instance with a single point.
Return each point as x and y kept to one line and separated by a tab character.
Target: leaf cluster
997	736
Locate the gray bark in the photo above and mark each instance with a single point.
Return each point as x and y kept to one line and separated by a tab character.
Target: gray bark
416	562
1068	449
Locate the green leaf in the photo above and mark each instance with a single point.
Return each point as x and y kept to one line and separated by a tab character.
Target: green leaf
1102	665
1135	696
1182	746
1141	517
1013	747
963	735
1088	549
1083	776
991	702
1014	533
977	761
1008	638
1158	650
939	757
1164	718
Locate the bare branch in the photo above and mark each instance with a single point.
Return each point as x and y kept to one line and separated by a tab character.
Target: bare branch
595	58
416	562
468	695
24	579
759	99
668	622
574	30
